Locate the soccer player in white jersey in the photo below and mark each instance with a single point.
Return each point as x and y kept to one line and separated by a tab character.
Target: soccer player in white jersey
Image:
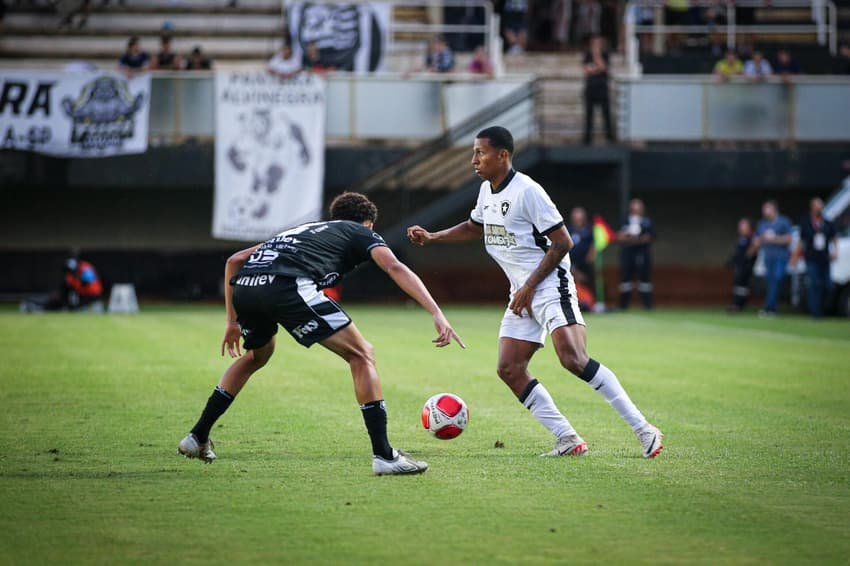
524	232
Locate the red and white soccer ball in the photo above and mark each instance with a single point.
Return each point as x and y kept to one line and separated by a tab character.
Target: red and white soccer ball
445	416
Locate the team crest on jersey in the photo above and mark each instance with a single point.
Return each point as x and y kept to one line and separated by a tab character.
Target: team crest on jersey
506	206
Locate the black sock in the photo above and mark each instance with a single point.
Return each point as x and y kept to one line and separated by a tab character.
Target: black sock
375	416
217	404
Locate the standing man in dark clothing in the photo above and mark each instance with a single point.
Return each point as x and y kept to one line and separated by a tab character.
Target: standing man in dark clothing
280	282
635	237
583	251
818	246
595	69
743	260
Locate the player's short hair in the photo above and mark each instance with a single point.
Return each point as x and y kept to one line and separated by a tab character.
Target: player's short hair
353	206
499	137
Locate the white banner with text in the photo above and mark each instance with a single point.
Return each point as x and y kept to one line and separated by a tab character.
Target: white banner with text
269	153
74	114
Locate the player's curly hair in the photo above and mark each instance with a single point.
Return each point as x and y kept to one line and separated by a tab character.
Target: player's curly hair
353	206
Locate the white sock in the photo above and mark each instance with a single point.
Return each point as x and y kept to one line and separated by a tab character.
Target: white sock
606	384
537	400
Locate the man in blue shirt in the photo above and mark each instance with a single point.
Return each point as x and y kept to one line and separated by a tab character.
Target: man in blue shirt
773	235
440	58
817	243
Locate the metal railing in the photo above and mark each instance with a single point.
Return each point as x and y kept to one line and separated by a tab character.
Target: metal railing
824	25
690	108
391	107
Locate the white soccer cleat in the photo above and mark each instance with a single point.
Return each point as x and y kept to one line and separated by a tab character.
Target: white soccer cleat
568	445
401	464
191	448
650	440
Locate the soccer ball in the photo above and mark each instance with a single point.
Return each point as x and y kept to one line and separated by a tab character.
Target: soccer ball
445	416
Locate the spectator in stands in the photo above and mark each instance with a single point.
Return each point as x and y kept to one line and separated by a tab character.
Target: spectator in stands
582	255
639	15
515	25
714	14
134	60
81	287
595	69
440	58
729	66
636	235
758	68
198	61
742	261
844	59
313	60
68	9
284	64
166	59
480	63
818	245
773	235
785	66
588	20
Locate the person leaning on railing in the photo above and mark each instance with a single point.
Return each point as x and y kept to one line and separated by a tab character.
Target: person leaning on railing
729	66
758	68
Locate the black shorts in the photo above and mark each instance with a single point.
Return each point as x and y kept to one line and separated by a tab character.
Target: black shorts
264	301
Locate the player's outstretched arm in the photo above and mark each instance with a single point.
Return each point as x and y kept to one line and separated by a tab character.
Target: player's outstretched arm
467	230
231	330
411	284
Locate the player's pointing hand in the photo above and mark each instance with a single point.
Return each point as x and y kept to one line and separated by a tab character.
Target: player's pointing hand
445	333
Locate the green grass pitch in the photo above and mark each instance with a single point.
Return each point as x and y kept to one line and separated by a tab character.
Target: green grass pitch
755	470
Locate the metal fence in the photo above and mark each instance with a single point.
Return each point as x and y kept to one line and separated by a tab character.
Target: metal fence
700	108
388	107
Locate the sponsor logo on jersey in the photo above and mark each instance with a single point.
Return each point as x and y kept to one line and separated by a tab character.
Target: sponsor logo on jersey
305	329
505	207
328	280
496	235
255	280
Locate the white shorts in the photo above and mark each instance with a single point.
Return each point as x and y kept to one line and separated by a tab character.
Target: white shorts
551	308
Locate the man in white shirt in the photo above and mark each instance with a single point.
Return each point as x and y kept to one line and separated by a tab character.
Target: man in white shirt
758	68
524	232
284	64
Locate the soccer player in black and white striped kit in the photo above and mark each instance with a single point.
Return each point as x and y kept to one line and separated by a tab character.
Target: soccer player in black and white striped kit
524	232
280	282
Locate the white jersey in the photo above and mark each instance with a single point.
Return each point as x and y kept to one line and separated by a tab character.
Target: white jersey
517	218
